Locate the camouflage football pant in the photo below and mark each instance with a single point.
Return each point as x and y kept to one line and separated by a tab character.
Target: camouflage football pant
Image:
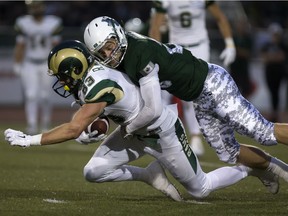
221	110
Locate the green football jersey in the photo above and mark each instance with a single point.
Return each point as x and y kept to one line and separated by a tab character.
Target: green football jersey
180	73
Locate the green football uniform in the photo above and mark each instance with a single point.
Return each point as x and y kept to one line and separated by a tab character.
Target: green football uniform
180	73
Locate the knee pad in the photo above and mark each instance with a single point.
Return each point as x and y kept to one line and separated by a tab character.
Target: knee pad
200	193
96	170
200	186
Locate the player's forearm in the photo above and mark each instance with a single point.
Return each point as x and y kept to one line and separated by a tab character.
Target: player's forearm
222	21
72	130
60	134
224	27
57	135
19	53
151	94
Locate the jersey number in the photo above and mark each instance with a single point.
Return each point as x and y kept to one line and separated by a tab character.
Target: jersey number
87	82
37	41
185	19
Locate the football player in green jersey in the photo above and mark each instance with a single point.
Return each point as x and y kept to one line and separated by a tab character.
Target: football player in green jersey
105	90
220	108
186	22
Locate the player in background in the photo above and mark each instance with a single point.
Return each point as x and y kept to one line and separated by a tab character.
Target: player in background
102	90
186	22
274	53
37	33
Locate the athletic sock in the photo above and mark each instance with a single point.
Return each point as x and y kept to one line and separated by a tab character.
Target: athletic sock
279	168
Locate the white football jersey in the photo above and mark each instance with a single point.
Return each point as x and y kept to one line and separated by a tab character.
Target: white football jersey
123	98
38	36
186	20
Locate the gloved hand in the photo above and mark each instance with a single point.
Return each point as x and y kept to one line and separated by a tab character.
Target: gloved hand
17	138
125	134
17	69
228	55
87	138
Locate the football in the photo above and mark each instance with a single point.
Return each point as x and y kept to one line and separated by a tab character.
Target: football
101	124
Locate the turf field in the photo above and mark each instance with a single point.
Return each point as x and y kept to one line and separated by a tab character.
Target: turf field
40	181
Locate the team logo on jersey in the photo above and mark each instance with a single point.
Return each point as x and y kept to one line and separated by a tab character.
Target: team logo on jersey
148	69
165	84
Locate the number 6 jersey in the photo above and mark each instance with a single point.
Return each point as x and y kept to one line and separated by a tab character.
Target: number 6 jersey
184	16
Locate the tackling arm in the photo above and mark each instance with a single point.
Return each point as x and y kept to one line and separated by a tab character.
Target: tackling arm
151	94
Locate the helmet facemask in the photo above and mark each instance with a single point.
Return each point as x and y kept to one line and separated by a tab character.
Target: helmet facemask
101	31
116	56
65	85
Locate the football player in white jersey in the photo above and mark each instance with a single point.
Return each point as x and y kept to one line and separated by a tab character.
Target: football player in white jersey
102	90
37	33
186	22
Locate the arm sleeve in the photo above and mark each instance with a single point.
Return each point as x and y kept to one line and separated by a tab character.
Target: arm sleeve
151	94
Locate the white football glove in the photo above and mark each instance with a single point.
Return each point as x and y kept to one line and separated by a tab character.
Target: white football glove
87	138
228	55
17	138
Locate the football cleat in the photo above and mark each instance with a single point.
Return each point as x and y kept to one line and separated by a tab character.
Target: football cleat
271	182
159	180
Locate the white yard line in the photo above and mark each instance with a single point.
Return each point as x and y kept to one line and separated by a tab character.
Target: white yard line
54	201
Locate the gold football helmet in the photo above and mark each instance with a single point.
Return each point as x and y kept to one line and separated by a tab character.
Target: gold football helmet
69	62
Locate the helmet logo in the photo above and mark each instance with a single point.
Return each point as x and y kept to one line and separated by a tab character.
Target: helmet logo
110	21
113	23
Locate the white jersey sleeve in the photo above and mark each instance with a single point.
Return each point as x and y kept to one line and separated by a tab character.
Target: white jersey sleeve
103	84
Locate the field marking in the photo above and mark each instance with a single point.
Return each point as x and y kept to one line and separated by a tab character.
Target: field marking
197	202
54	201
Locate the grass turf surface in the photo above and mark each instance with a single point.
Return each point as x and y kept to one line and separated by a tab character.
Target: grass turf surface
48	181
